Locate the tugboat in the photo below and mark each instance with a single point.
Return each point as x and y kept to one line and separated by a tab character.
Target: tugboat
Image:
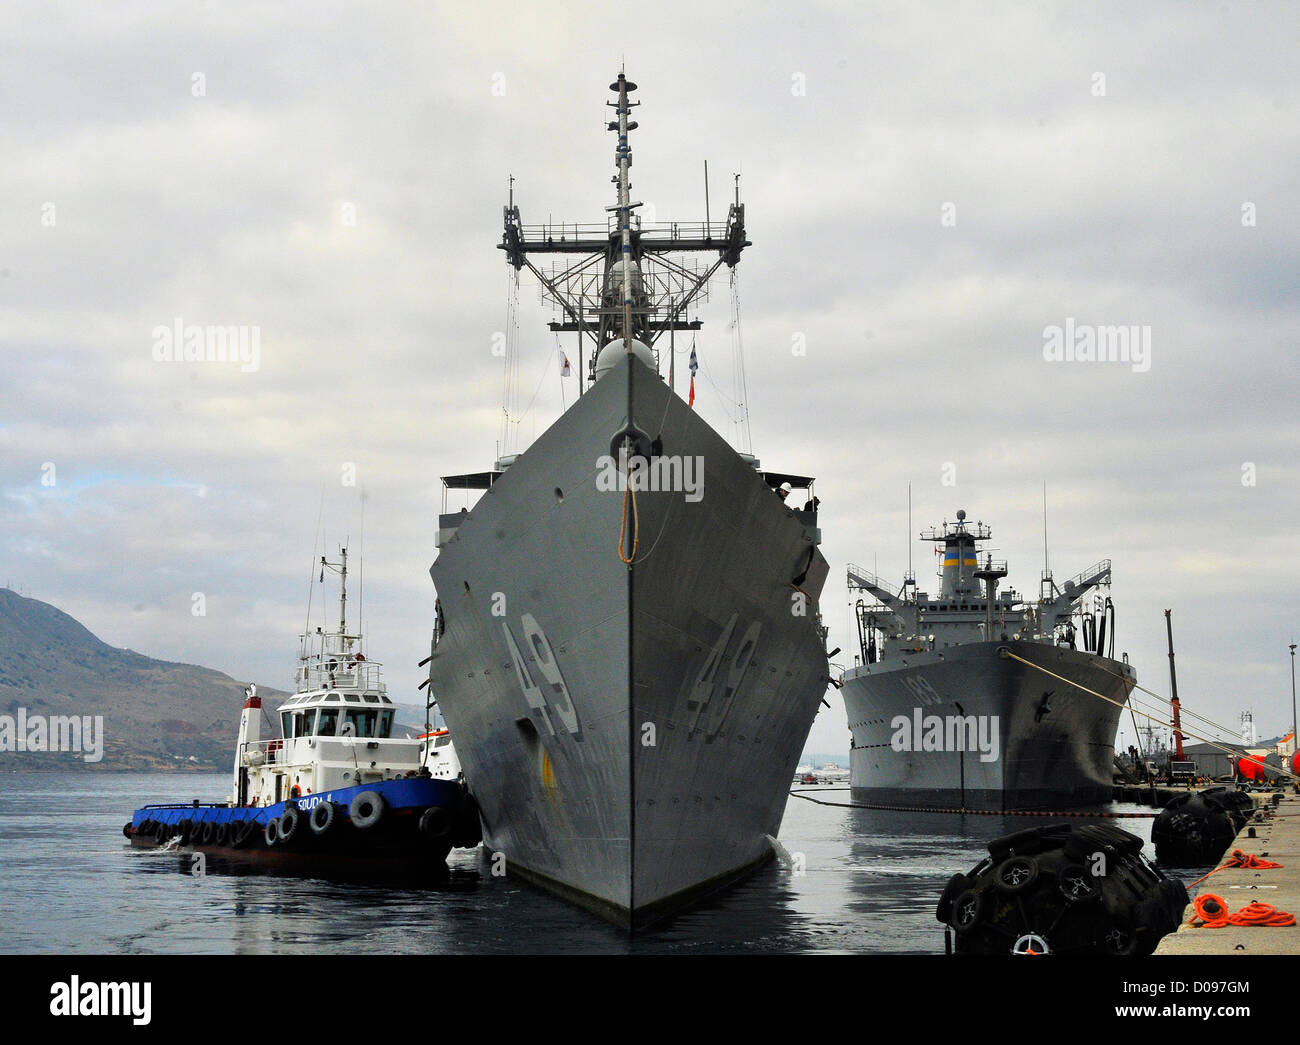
944	713
335	782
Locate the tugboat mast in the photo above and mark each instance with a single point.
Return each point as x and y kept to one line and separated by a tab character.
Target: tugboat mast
341	568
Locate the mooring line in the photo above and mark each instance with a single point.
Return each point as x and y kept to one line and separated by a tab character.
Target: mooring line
978	812
1004	652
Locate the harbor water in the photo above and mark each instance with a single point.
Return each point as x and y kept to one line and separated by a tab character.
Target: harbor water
856	881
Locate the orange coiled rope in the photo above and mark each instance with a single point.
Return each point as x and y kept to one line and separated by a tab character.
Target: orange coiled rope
1212	913
1239	859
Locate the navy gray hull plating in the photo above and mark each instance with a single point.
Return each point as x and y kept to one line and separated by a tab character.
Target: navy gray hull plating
630	673
630	730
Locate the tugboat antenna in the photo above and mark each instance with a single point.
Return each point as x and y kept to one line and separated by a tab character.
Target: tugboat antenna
343	593
341	568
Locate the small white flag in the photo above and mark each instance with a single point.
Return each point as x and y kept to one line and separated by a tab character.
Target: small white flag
564	365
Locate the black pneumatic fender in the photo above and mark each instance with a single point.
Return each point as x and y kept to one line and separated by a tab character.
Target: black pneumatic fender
1195	828
322	818
221	836
1065	889
126	829
271	833
366	810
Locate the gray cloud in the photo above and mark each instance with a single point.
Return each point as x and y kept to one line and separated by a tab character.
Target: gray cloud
924	342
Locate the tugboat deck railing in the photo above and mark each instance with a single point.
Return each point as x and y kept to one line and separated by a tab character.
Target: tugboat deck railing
315	673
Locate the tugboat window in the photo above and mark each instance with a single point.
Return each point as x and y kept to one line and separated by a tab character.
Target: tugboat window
385	723
362	722
328	723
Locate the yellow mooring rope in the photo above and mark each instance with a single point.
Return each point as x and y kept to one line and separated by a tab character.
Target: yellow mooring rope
629	491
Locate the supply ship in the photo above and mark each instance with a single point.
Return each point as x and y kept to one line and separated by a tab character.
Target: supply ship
944	716
628	648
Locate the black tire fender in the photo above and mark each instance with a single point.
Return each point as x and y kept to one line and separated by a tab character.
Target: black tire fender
469	831
957	885
966	910
367	810
436	822
322	818
1077	885
1016	873
290	825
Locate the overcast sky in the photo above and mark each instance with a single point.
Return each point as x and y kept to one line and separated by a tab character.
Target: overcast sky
928	189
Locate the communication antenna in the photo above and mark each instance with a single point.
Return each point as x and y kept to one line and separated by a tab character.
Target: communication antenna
1047	570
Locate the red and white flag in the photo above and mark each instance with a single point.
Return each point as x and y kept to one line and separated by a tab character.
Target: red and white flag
564	365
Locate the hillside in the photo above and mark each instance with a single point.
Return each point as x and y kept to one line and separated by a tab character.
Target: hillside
157	714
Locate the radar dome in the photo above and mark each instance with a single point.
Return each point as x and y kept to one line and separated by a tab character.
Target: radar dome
616	349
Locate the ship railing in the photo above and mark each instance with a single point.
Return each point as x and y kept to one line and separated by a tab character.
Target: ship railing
301	750
865	579
259	752
553	233
1090	575
333	673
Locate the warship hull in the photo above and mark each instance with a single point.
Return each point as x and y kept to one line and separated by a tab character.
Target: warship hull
1052	745
629	730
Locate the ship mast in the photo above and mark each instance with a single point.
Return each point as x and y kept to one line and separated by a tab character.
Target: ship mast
654	288
623	160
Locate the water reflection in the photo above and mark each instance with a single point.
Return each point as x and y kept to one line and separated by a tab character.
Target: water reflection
857	881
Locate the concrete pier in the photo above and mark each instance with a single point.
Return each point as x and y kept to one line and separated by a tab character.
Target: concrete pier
1277	838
